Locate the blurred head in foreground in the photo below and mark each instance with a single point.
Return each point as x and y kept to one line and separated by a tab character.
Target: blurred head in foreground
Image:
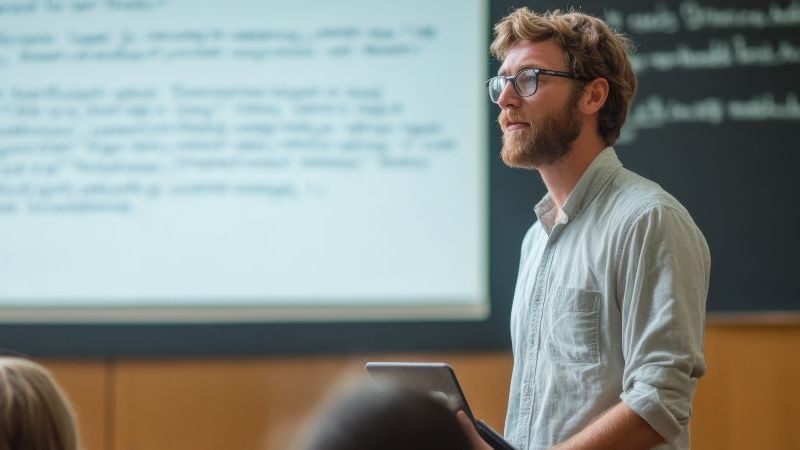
34	413
382	416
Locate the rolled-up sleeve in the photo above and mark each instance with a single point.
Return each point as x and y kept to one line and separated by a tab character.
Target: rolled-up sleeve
664	267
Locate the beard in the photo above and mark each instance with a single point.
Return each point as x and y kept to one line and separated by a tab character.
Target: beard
546	140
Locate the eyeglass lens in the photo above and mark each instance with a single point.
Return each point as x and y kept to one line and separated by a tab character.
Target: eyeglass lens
524	84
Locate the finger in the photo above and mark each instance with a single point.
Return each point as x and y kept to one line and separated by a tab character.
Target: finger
472	434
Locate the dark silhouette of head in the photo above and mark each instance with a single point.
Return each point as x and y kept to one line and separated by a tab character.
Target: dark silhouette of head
383	416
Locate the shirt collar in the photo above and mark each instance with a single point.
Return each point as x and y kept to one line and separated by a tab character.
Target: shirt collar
599	172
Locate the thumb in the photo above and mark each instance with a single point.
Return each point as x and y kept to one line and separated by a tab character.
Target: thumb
472	434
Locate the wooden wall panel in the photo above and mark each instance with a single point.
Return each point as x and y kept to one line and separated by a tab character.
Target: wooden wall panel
86	383
750	397
259	404
212	404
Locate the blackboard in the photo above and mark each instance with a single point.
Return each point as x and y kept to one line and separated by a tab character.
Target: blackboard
716	122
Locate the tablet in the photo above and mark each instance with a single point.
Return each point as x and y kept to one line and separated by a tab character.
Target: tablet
440	380
437	378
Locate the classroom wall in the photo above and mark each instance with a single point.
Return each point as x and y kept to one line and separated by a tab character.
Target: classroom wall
749	399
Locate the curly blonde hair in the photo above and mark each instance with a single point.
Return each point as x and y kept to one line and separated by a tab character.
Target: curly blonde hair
593	50
36	414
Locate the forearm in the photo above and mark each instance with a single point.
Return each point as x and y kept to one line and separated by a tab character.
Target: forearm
619	428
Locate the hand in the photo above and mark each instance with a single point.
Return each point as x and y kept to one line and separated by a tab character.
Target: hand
477	442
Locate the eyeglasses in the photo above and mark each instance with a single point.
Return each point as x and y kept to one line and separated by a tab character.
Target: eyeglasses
526	81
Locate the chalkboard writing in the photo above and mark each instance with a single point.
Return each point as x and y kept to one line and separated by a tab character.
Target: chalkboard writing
716	121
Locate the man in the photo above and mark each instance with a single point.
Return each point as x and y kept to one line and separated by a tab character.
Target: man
608	315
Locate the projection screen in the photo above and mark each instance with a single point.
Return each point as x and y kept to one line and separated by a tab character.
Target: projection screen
185	161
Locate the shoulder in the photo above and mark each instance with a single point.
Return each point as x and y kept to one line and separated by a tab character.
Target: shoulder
635	197
647	216
642	214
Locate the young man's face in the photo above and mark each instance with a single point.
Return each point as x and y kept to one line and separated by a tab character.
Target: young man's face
540	129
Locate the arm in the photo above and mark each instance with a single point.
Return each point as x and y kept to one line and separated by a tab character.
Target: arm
662	284
619	428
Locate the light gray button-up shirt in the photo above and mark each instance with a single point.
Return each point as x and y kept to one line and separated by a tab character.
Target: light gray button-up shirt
609	306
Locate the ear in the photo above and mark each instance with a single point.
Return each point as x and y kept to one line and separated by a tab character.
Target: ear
594	96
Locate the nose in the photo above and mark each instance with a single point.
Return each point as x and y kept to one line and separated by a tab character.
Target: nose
508	97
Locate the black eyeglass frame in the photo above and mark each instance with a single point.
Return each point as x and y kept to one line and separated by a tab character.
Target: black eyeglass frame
536	72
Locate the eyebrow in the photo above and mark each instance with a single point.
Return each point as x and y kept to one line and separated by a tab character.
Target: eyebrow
504	72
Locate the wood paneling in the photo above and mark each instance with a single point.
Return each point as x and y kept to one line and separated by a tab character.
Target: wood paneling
86	384
213	404
258	404
749	399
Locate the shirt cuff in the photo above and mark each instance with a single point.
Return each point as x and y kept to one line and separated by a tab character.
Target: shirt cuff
667	412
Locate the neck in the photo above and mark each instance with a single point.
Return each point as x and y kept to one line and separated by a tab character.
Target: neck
562	176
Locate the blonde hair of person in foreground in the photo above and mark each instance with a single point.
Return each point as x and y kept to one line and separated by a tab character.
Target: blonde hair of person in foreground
34	412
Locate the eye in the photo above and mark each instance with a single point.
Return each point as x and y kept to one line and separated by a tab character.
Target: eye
526	81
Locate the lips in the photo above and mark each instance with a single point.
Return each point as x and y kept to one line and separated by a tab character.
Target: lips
510	122
513	126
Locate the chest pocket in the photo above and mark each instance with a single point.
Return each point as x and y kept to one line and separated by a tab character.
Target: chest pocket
573	335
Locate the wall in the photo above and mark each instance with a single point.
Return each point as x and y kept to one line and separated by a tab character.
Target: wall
749	398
